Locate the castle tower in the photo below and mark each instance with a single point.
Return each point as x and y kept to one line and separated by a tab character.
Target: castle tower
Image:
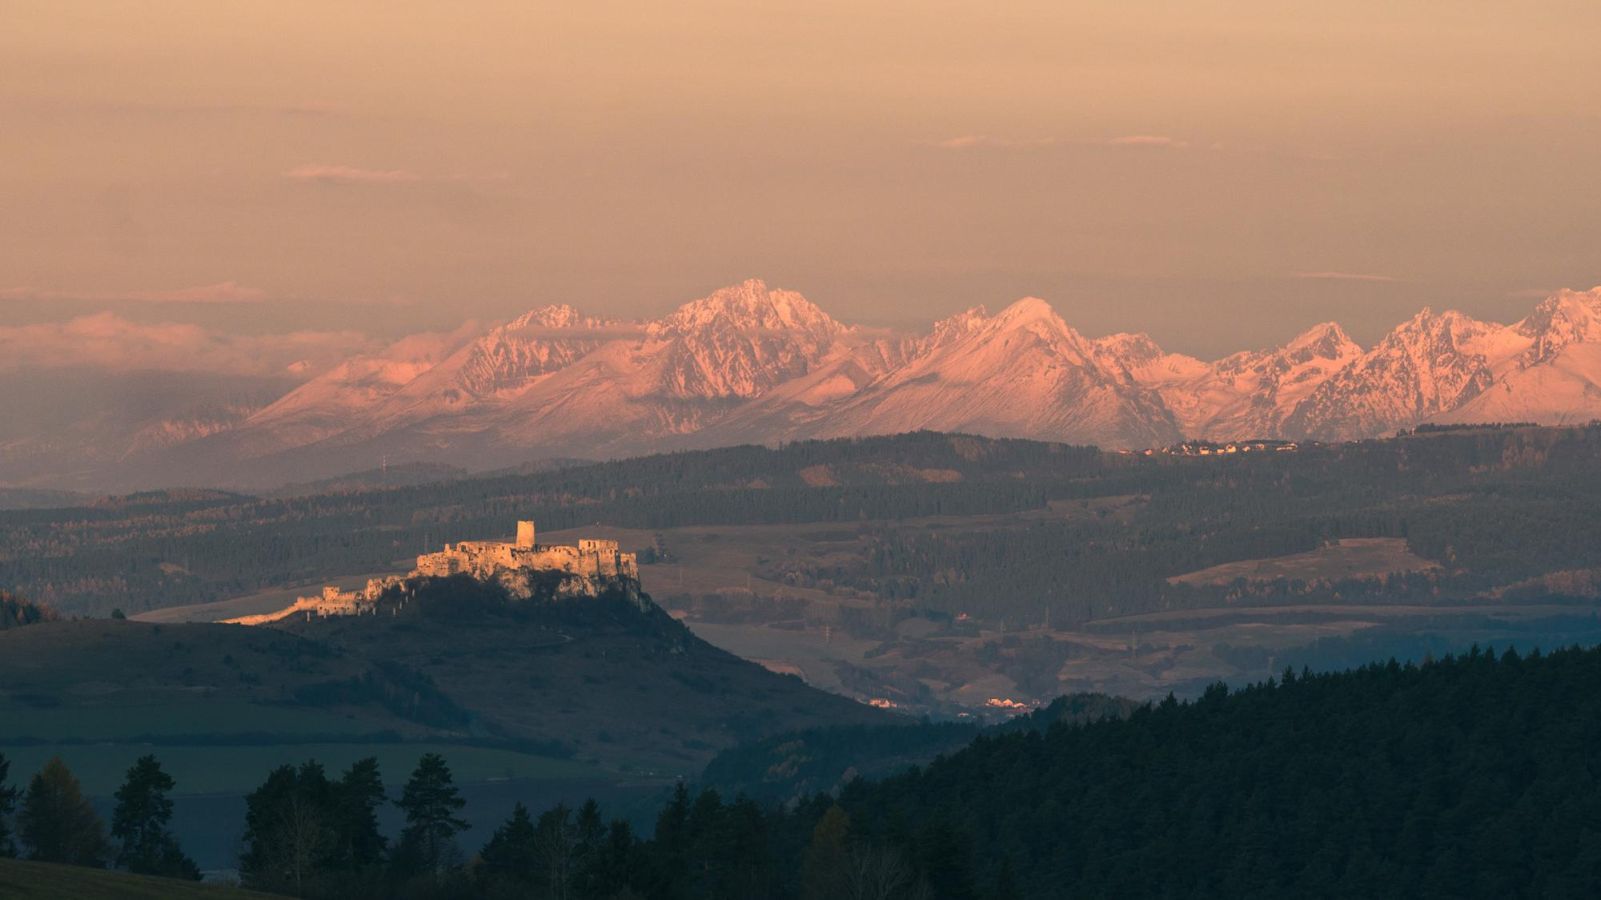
525	534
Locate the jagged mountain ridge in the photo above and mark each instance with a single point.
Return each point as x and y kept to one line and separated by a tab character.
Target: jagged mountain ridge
750	363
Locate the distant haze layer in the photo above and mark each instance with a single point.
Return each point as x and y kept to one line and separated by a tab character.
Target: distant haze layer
285	180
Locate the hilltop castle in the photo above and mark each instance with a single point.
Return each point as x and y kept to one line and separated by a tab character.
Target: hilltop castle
584	570
595	559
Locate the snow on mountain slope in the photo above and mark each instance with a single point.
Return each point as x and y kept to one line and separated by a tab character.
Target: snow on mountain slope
750	363
329	403
741	342
496	367
1430	364
1250	394
1549	371
675	378
1145	362
792	410
1022	372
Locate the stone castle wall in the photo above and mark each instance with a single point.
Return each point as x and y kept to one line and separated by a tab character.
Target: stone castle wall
595	562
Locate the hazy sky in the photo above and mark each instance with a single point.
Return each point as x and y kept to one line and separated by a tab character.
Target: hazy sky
1219	174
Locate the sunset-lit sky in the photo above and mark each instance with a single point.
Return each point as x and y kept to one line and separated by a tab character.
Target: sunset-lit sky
1219	174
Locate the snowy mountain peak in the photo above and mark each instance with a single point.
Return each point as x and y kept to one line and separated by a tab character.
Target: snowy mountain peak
1327	340
750	363
741	341
954	327
1028	309
1130	349
751	305
1566	317
557	315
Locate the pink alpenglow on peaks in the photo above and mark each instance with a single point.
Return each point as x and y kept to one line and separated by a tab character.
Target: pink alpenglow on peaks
755	364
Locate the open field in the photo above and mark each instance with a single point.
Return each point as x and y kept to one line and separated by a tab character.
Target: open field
1337	560
22	880
121	722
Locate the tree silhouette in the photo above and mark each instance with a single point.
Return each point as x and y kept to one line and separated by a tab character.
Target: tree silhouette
512	855
357	798
289	831
140	824
8	803
430	801
57	823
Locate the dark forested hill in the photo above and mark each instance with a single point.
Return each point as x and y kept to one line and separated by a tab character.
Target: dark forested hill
1469	777
1474	776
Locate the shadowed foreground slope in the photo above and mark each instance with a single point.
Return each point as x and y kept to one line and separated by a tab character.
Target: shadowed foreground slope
20	880
608	678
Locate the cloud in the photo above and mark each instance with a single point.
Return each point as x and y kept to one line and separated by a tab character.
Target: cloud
977	141
1342	276
328	174
221	292
109	342
1147	140
968	141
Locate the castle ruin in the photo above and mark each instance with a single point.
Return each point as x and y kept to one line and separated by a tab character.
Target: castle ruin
586	570
596	559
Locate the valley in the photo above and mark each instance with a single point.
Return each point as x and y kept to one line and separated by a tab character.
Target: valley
952	577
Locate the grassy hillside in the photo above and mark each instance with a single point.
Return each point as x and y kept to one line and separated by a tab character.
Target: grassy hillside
21	880
532	690
105	679
599	678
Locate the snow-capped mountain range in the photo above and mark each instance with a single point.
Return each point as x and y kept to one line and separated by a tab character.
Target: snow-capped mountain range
751	363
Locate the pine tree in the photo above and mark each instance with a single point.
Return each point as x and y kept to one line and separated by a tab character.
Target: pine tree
140	824
430	801
8	803
512	854
556	842
57	823
357	798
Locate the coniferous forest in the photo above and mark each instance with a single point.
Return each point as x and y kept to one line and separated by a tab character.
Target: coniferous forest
1470	776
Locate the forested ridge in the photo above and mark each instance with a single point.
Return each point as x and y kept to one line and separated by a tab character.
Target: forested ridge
1472	776
1491	507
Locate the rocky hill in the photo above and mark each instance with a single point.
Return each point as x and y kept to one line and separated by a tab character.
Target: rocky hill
608	678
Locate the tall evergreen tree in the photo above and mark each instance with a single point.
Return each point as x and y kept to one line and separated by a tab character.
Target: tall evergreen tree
511	858
140	824
8	803
358	796
431	802
556	841
57	823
